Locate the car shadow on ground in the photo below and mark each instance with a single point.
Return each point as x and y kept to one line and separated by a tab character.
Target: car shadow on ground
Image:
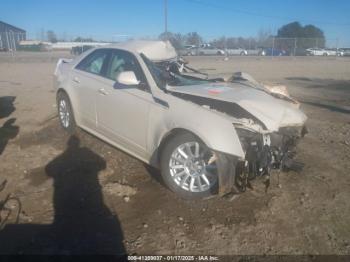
155	174
82	223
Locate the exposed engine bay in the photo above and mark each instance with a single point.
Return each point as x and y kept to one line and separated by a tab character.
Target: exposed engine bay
268	151
264	150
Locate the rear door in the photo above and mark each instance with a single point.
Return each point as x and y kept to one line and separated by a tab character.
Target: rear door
86	81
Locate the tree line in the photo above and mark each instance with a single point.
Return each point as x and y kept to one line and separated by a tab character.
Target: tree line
288	36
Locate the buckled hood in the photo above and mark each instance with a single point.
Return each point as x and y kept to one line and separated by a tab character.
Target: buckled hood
271	111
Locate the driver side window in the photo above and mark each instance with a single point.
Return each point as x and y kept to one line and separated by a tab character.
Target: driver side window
122	61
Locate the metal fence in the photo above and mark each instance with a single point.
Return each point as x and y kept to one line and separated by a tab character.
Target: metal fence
275	45
298	46
10	41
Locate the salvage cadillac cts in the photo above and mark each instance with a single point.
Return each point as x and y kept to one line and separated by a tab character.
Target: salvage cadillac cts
206	136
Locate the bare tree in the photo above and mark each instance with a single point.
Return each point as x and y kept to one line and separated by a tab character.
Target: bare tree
193	38
264	36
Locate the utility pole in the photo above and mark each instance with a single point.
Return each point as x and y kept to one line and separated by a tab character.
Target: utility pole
166	17
336	43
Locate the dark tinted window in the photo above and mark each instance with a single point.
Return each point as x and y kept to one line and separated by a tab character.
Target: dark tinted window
94	62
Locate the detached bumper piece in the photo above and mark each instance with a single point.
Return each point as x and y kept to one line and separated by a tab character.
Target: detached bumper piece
227	172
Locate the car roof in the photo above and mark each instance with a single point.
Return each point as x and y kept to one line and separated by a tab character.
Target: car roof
154	50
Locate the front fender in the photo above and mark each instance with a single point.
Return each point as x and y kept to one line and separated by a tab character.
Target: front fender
216	131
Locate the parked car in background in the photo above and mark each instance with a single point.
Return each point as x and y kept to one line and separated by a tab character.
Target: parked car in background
256	52
236	51
316	52
274	52
188	50
332	51
340	52
346	51
77	50
207	49
321	52
206	136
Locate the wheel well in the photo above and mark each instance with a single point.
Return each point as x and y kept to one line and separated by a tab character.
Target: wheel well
172	133
61	90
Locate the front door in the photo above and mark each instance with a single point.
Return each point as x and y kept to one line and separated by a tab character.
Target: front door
122	111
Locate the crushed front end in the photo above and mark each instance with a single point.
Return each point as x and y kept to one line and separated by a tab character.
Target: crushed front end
266	151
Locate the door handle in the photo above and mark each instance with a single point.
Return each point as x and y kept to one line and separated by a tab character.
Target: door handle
76	80
102	91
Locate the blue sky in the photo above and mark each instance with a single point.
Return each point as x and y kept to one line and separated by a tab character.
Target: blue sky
105	19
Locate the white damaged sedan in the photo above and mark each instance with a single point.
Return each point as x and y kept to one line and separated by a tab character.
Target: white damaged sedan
206	136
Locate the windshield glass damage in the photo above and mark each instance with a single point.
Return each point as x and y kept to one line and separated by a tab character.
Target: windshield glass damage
168	73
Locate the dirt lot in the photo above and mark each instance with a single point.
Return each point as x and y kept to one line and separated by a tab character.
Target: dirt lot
80	195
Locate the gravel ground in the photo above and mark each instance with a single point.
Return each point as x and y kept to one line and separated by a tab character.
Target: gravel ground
79	195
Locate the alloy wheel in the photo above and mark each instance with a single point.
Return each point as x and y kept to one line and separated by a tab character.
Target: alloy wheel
193	167
64	113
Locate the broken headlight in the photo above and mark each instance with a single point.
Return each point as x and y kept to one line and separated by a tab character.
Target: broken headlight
249	138
257	151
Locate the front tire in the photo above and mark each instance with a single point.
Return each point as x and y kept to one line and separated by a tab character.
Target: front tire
65	112
188	167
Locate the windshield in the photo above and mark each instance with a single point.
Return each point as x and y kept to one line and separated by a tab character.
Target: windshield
167	73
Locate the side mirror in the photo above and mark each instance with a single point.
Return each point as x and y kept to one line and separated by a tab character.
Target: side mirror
127	78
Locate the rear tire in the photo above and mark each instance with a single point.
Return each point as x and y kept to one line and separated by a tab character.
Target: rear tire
192	177
65	112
